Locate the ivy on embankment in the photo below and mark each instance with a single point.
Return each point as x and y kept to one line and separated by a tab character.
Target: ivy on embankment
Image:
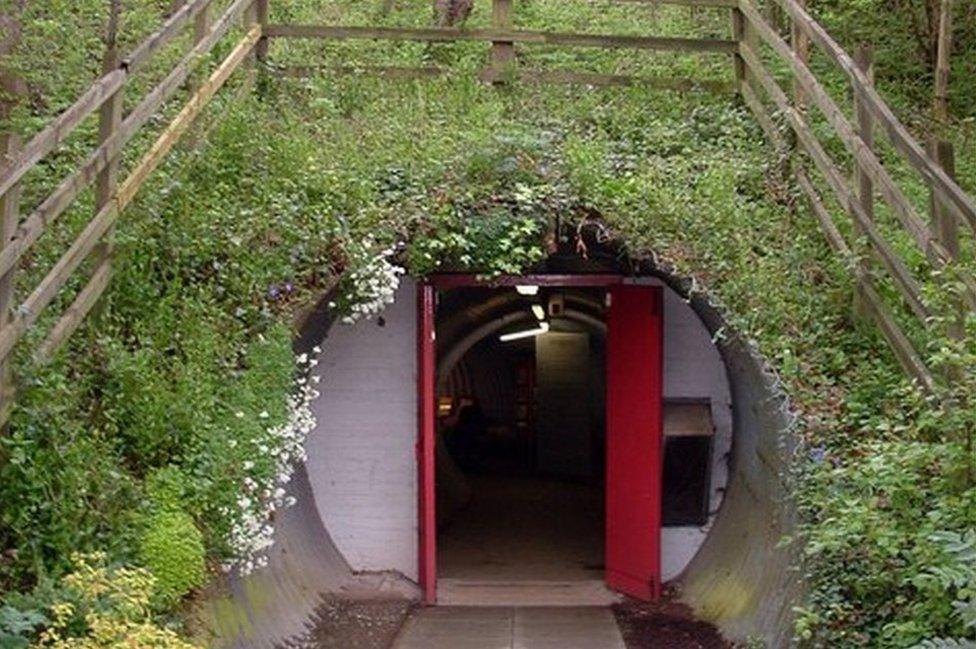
174	398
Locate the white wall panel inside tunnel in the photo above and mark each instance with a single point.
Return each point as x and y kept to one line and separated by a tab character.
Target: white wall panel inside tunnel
361	456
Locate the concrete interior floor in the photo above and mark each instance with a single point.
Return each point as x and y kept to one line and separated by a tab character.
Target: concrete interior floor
525	528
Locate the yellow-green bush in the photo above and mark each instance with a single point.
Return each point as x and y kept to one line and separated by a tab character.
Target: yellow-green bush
172	549
106	608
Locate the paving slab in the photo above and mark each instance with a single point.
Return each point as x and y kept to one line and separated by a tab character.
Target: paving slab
465	627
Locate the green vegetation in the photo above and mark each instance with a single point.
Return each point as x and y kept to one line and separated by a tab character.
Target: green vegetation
172	550
177	398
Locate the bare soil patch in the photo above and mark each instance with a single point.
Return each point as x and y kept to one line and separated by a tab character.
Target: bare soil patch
665	625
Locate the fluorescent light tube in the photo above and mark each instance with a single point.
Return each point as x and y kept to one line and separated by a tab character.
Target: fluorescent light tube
539	312
527	333
527	289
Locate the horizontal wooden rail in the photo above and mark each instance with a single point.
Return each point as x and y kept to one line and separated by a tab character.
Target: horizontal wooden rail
524	75
959	202
144	52
513	36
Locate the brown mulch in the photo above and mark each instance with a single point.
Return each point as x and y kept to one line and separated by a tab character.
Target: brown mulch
665	625
354	624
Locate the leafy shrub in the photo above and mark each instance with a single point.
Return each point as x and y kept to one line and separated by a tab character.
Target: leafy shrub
172	550
104	607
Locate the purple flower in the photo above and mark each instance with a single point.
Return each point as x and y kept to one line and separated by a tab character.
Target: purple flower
273	292
817	454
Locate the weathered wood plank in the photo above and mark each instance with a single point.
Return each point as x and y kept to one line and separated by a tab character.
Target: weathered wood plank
940	105
502	52
679	84
109	122
717	4
517	36
904	281
58	130
75	314
62	197
961	204
144	52
863	186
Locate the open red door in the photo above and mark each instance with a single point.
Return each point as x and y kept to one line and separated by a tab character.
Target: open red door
634	440
427	542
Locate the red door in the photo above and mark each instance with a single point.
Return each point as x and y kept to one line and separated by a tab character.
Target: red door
427	543
634	440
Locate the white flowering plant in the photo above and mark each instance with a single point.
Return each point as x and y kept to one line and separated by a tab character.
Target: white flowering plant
370	280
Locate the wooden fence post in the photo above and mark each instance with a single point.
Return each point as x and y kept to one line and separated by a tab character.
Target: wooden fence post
261	49
940	106
502	52
801	47
945	227
12	88
9	220
863	186
738	35
109	120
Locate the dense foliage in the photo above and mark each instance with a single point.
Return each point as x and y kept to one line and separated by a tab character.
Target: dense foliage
170	418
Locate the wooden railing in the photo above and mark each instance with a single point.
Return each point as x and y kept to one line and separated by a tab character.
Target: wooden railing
100	168
951	208
750	32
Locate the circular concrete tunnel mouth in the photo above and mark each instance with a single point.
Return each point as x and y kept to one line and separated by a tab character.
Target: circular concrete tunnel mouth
353	531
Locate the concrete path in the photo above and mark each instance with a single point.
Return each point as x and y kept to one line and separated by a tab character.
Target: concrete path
460	627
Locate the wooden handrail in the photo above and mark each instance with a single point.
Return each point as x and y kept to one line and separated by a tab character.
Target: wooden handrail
144	52
961	204
435	34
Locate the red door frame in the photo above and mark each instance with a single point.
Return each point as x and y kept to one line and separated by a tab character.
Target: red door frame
426	398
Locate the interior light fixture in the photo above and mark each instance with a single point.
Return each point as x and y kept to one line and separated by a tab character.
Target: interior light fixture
539	312
527	289
527	333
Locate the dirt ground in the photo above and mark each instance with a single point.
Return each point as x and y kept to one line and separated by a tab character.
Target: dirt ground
665	625
354	624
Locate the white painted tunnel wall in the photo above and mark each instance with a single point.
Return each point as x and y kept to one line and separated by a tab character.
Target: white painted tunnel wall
361	455
693	368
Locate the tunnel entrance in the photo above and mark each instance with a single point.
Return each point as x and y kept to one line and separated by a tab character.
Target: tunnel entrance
548	462
521	445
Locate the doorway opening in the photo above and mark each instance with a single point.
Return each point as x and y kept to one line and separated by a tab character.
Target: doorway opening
541	417
521	442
